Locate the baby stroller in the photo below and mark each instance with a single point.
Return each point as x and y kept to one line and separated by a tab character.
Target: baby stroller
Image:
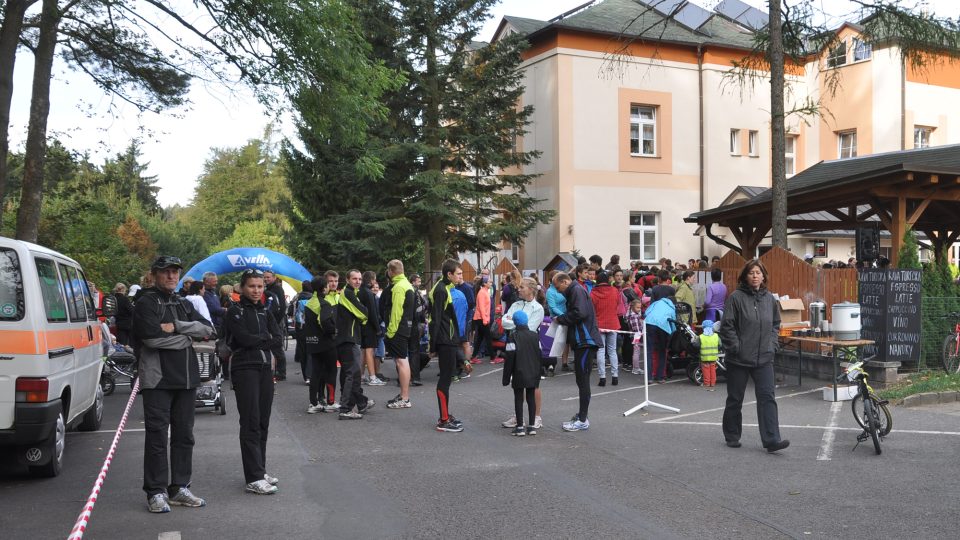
119	362
209	393
684	345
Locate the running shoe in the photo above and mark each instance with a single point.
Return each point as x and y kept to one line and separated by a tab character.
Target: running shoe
350	415
497	360
518	431
364	380
157	504
416	382
615	381
454	421
183	497
383	378
538	422
532	430
314	409
377	381
637	372
262	487
449	426
576	426
510	423
272	480
399	403
476	360
368	405
331	407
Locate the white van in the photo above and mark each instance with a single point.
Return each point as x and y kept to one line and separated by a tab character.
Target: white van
50	354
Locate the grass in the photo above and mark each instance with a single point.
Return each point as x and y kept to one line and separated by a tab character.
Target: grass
919	383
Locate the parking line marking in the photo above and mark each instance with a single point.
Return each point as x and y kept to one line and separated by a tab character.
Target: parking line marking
169	535
826	444
834	428
489	372
672	418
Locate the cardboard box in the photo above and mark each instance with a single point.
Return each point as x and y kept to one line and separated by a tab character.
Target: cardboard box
791	310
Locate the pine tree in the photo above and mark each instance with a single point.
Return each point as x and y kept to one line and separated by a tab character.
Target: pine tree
909	255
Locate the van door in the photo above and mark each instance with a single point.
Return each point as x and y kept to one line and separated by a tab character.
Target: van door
15	334
90	358
64	346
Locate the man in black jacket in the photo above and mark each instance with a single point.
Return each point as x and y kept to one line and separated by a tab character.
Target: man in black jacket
164	327
276	302
351	316
370	333
584	338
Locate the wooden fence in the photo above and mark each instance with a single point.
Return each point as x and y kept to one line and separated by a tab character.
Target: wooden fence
788	275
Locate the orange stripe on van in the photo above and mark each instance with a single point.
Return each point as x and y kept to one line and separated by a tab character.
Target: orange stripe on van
28	342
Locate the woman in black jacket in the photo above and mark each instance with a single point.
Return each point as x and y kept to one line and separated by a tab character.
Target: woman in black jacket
124	316
252	333
319	338
749	329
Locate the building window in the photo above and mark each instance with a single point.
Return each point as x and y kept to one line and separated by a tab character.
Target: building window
921	136
643	236
515	253
861	50
837	55
847	142
735	142
643	130
752	142
820	248
790	154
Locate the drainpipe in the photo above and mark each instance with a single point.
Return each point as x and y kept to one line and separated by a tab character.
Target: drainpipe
903	101
702	168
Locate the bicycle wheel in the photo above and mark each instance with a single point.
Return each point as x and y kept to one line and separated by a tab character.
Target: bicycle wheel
949	357
886	419
107	384
873	422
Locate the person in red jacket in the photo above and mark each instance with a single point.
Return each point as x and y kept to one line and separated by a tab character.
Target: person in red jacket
606	300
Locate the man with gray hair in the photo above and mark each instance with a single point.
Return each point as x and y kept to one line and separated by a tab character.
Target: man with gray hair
212	299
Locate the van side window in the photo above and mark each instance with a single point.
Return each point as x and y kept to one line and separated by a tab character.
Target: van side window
11	286
51	290
71	284
87	297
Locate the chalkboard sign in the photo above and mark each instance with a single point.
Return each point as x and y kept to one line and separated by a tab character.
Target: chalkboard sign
890	312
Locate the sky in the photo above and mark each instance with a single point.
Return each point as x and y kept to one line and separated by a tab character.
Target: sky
176	143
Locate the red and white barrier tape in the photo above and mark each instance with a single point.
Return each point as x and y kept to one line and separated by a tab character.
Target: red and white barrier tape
81	526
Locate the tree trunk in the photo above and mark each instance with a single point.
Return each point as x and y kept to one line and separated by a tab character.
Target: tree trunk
31	198
775	58
13	13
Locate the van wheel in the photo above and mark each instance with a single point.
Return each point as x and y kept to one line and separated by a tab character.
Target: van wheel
94	416
54	446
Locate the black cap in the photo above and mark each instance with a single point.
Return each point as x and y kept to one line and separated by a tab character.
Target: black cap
166	261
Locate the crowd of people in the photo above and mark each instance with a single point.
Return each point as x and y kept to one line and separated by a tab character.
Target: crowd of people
346	326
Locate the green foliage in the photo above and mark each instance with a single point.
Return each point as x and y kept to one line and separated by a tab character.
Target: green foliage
909	254
920	383
260	233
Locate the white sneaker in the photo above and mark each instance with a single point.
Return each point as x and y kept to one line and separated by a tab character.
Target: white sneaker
377	381
576	425
333	407
510	423
272	480
538	422
262	487
314	409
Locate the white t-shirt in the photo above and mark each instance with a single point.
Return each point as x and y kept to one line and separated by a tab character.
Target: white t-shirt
200	305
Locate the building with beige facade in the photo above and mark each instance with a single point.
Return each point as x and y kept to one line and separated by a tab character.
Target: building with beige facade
637	134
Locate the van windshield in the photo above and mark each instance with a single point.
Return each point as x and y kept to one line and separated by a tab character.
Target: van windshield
11	286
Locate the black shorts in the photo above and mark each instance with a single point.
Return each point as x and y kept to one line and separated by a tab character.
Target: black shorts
368	338
397	346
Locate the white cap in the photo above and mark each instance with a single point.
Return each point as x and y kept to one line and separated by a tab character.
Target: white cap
133	290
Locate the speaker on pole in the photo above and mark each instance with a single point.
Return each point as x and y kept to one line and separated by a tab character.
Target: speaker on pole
868	242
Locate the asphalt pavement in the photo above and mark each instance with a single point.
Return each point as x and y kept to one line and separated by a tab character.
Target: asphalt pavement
654	474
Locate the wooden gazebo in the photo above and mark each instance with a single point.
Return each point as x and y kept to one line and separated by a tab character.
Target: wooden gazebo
910	188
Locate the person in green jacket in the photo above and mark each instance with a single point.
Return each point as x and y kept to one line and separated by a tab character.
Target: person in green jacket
685	294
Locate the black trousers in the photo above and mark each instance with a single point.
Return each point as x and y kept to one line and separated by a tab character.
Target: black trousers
254	392
413	353
162	409
323	378
300	355
766	403
351	393
481	340
447	357
531	404
582	361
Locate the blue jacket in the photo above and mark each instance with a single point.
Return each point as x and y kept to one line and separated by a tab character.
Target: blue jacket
213	305
580	318
556	303
659	314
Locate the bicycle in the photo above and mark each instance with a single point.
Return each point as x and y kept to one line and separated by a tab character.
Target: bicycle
950	356
867	407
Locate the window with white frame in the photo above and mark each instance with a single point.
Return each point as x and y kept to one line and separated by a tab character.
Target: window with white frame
921	136
643	236
861	50
735	142
752	143
837	55
643	130
515	252
790	154
847	143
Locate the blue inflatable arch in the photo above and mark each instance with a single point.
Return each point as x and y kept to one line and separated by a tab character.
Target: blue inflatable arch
238	259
